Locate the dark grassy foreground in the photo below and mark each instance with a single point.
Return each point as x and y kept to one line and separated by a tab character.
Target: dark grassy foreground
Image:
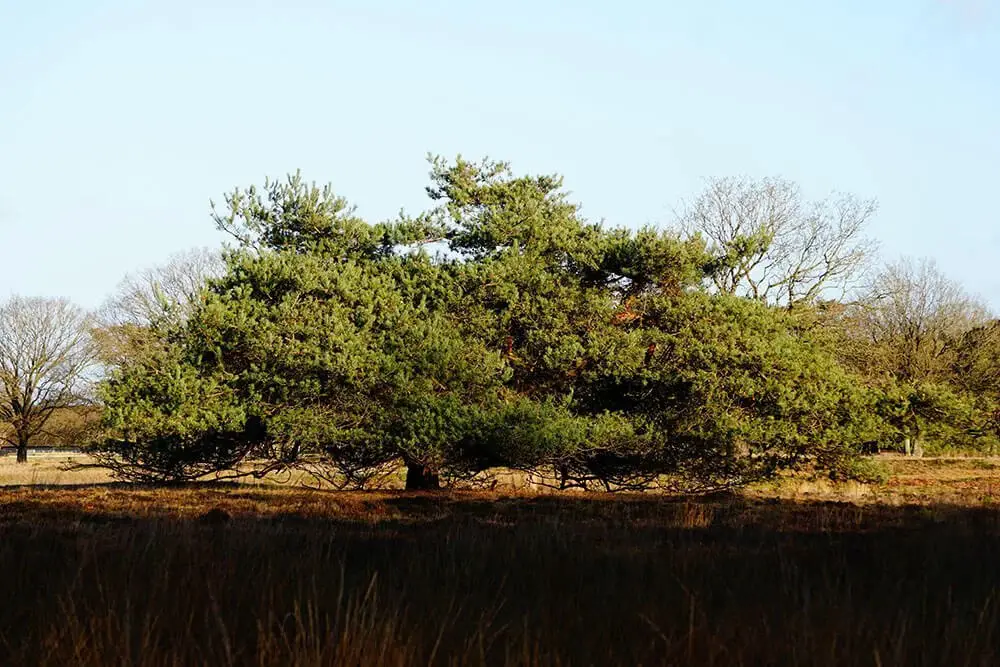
104	576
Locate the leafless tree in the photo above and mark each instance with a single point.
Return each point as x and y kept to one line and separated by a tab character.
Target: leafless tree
45	354
166	290
163	294
916	317
773	246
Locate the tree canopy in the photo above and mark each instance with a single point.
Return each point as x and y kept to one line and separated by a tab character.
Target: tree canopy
499	328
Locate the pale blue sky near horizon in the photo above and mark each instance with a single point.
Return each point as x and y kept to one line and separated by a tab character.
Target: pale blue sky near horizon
120	120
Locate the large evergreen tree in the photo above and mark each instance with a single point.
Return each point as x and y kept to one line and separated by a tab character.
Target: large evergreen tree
540	341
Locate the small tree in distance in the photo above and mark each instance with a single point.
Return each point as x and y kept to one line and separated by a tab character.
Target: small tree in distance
45	354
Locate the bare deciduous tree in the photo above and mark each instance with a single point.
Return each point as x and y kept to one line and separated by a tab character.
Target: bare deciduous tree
772	246
916	316
167	290
45	353
154	296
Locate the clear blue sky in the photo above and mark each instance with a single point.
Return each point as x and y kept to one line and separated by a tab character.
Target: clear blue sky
119	120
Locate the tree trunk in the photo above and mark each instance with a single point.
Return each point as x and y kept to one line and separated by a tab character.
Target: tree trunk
22	453
420	477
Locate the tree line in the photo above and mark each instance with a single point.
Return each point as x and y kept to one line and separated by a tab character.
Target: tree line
502	329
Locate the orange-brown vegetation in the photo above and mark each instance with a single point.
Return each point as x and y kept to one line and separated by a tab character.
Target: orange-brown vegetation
271	575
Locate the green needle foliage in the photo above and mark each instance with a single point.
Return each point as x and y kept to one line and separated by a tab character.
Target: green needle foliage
499	329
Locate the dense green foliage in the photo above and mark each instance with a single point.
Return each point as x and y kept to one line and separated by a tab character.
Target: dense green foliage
929	352
499	329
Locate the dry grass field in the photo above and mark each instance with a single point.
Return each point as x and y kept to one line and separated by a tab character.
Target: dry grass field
48	470
795	573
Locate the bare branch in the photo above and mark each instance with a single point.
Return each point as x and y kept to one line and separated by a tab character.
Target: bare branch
772	246
916	315
169	290
154	297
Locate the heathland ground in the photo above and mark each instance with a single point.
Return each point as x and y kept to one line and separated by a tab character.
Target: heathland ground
896	572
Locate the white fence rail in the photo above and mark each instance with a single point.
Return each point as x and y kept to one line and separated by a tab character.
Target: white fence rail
7	450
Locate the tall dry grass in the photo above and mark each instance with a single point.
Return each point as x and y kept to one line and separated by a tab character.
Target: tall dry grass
470	579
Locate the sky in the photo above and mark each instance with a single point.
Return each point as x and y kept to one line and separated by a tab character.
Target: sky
121	120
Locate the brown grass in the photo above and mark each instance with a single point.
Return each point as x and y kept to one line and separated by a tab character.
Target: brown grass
48	469
270	575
